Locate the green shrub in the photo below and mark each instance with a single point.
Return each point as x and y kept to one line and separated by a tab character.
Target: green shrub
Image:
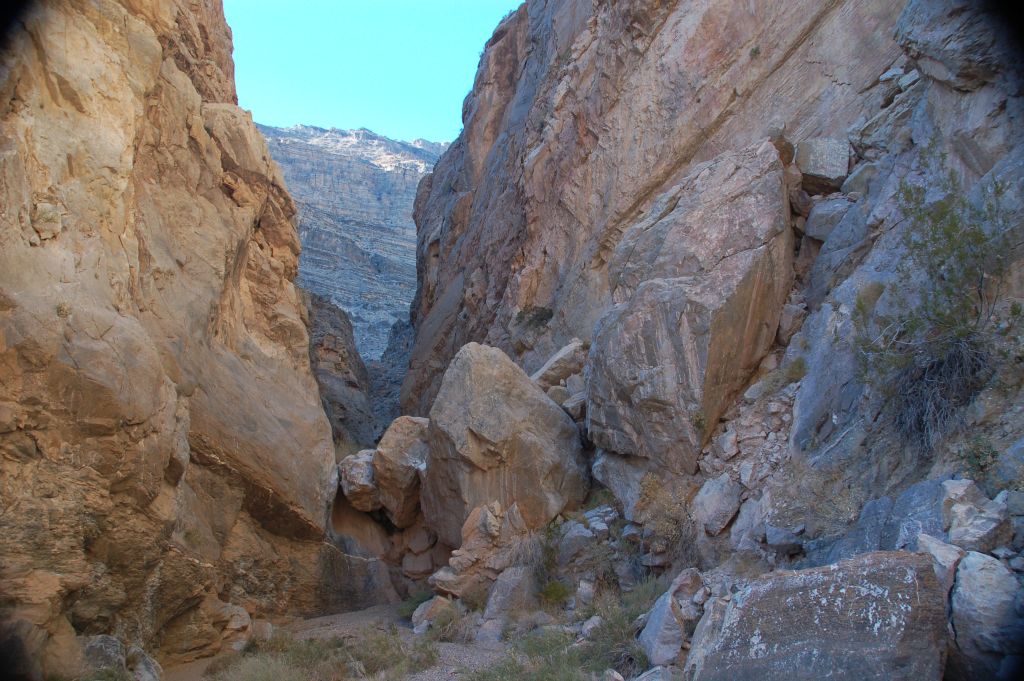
108	674
795	370
554	594
452	626
663	512
261	667
534	317
386	651
407	607
978	456
284	658
934	357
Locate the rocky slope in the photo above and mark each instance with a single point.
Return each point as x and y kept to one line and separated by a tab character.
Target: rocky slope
768	258
167	470
354	192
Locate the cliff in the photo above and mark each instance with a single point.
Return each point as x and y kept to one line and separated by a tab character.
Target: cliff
354	192
768	257
167	469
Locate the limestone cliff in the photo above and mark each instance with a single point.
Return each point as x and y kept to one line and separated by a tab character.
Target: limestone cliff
166	469
354	191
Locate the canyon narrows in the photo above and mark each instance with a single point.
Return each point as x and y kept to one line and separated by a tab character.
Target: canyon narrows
713	368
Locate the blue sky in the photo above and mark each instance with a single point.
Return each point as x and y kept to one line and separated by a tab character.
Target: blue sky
398	67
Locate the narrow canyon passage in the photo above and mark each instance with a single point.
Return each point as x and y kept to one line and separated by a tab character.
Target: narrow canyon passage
697	353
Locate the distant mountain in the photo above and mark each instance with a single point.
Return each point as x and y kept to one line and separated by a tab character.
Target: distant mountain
355	191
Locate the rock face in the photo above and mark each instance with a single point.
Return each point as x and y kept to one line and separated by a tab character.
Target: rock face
701	284
162	445
344	382
495	436
354	191
520	219
877	616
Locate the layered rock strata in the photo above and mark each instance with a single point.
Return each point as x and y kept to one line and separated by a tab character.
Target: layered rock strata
354	191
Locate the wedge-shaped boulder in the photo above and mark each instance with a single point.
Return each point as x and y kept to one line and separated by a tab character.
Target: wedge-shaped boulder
355	474
400	457
495	436
877	616
699	286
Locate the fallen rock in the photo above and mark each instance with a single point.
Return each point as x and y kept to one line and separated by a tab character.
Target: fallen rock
716	503
355	474
590	626
974	522
428	611
494	435
492	541
672	619
397	464
824	162
824	217
877	616
987	620
515	591
575	537
945	559
563	364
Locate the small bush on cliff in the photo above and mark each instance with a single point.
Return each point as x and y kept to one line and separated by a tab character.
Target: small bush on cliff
978	456
941	350
663	512
534	317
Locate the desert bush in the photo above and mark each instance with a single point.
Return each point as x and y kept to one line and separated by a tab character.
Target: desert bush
553	594
407	607
108	674
283	658
385	651
452	625
934	357
534	316
663	512
978	456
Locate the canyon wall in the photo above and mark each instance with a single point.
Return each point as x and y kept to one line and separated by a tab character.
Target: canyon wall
354	191
768	257
166	468
581	115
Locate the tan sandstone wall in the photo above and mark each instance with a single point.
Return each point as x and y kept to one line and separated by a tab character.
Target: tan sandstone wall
163	450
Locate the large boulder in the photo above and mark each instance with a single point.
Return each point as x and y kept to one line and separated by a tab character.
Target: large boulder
495	436
355	475
877	616
397	464
700	286
987	618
